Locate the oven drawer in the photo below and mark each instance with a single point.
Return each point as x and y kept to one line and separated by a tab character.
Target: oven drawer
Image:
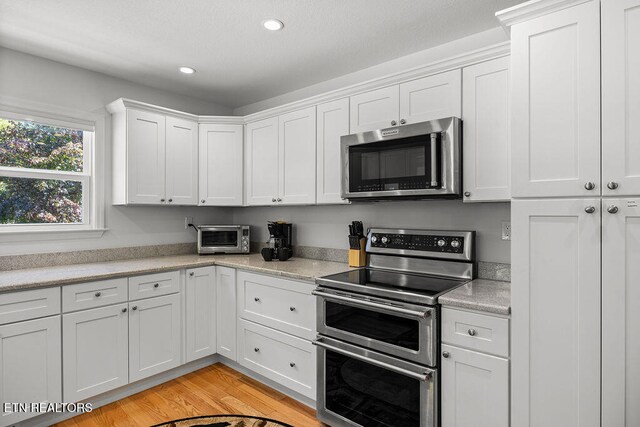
154	285
488	334
26	305
281	304
93	294
283	358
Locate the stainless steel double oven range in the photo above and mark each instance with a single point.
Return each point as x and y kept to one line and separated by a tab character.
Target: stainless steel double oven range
379	332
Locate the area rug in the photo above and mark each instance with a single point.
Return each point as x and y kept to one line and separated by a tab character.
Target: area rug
224	421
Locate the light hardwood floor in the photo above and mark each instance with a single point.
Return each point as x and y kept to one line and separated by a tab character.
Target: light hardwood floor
216	389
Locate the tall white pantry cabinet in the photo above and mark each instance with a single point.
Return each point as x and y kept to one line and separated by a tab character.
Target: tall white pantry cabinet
576	222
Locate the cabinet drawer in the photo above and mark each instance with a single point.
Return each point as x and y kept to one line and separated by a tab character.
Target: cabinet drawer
281	304
480	332
153	285
25	305
283	358
94	294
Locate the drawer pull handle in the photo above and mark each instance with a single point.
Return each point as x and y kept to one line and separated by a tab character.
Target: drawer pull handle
124	310
98	294
292	364
256	349
256	299
445	354
472	332
134	308
292	308
192	274
156	285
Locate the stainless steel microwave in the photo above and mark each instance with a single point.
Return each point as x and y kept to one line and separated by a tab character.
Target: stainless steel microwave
415	161
226	239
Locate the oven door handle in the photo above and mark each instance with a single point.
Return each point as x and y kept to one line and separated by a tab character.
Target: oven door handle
425	377
421	314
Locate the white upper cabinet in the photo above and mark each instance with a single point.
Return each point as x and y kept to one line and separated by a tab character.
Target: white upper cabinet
555	336
620	312
280	159
621	97
220	170
145	158
297	157
485	114
432	97
261	162
375	109
200	309
555	74
181	161
332	122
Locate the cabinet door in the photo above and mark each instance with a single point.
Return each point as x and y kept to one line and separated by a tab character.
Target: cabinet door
221	165
621	313
431	97
182	161
154	336
621	97
297	157
30	365
146	157
475	389
226	311
373	110
201	312
555	70
332	123
96	352
485	113
261	162
555	339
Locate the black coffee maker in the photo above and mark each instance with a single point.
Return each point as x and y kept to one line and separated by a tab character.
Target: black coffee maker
280	241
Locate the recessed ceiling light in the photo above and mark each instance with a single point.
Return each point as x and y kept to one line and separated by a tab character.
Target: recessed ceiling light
273	24
187	70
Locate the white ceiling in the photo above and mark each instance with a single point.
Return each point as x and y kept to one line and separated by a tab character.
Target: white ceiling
237	61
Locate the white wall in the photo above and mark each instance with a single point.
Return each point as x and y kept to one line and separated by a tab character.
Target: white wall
34	79
326	226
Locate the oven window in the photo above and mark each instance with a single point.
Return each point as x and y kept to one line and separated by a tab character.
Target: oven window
392	165
369	395
387	328
220	238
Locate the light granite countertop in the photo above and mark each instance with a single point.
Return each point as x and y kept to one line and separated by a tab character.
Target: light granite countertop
482	295
295	268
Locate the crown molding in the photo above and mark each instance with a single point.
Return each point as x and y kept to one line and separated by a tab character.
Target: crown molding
225	120
533	9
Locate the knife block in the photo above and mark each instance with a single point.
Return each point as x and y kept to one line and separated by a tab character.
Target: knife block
358	257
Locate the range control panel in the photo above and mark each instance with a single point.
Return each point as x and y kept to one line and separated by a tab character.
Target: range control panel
423	243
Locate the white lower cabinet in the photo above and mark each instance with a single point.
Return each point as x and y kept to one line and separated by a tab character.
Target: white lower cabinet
154	336
200	292
30	362
95	347
226	312
474	389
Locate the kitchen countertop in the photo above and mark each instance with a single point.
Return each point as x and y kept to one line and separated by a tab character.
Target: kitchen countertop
295	268
482	295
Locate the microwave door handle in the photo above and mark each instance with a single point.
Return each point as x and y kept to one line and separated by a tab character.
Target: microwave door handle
434	160
420	377
370	304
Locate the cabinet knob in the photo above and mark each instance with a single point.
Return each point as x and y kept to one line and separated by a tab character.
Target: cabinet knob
202	201
191	274
157	285
292	308
445	354
467	194
403	121
589	186
279	199
162	200
273	200
124	310
134	308
612	209
612	185
256	299
472	332
170	200
256	349
292	364
393	123
98	294
590	209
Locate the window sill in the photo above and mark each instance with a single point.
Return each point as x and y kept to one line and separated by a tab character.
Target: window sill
41	235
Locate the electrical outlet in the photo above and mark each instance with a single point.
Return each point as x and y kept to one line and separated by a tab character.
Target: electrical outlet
506	231
187	220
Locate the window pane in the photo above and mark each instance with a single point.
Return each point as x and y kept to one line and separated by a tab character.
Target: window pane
36	146
39	201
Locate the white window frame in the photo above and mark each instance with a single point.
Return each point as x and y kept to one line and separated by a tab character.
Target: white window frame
91	176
